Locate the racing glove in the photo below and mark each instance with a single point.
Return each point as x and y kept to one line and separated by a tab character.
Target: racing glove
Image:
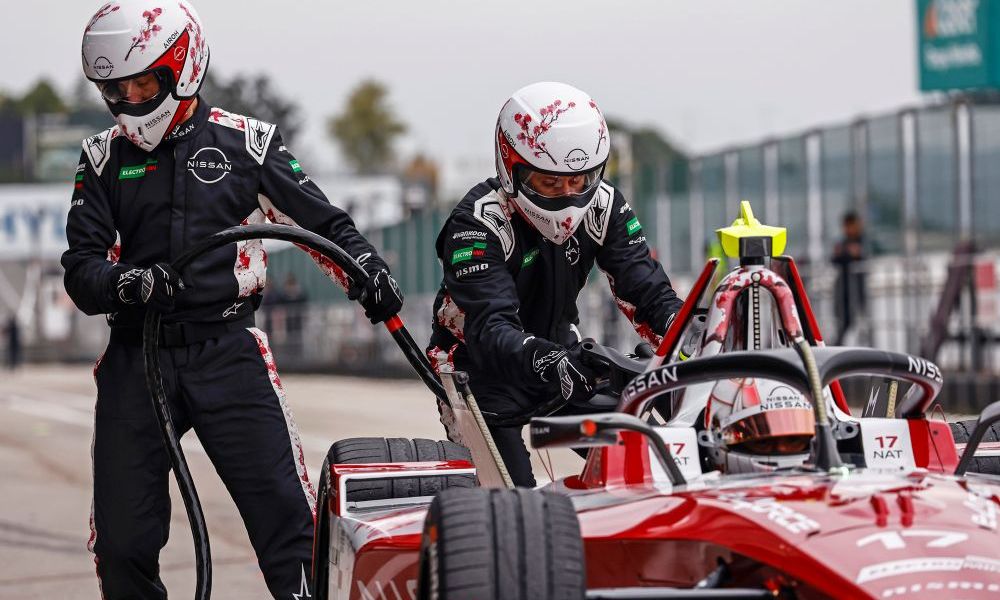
155	287
553	363
379	295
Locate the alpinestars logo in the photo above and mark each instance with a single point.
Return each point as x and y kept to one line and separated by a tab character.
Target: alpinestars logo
303	587
258	138
98	147
232	310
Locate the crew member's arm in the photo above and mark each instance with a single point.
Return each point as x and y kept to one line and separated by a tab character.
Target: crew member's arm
91	275
290	197
476	277
639	284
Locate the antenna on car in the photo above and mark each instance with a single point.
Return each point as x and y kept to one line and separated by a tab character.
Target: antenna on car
754	243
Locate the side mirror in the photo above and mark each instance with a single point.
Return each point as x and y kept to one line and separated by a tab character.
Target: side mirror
600	430
989	416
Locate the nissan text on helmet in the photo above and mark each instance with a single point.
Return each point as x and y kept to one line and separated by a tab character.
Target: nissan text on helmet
758	425
148	58
551	147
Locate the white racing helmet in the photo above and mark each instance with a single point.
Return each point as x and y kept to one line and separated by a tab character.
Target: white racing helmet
157	45
758	425
551	129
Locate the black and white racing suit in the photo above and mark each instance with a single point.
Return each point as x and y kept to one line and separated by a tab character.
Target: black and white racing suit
504	282
132	209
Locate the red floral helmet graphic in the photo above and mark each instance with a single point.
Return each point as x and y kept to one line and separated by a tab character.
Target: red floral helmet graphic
551	133
148	59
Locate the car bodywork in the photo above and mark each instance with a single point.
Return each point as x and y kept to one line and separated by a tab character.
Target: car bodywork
899	524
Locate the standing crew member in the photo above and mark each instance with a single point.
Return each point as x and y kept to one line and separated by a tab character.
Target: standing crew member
516	252
172	171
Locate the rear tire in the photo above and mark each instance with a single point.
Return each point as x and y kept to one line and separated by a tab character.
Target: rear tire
989	465
389	450
518	544
378	450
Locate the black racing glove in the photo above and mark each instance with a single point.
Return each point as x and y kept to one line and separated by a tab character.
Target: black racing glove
154	287
379	295
553	363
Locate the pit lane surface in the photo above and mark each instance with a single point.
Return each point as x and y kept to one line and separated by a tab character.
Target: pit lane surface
46	424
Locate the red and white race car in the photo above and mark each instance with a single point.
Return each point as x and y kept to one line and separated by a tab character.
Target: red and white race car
666	506
726	464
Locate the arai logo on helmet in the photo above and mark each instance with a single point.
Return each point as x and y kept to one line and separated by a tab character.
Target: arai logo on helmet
576	159
209	165
103	67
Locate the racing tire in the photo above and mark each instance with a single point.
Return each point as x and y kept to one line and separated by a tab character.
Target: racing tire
501	544
388	450
989	465
377	450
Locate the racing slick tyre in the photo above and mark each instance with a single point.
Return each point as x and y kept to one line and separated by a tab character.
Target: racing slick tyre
500	544
387	450
989	465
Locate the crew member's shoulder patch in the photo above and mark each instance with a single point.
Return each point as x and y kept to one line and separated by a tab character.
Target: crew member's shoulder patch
98	147
227	119
258	137
599	216
489	211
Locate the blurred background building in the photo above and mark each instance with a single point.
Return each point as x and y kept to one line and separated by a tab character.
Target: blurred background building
894	217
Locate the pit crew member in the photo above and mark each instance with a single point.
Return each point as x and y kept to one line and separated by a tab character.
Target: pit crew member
170	172
517	250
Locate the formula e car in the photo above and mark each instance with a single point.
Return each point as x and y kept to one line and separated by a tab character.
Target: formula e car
673	501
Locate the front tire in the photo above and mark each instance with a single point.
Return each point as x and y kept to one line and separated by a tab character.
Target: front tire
519	544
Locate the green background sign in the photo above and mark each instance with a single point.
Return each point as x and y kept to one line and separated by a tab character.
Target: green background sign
956	46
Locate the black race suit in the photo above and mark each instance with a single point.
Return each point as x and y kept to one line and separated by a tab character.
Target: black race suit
504	282
132	209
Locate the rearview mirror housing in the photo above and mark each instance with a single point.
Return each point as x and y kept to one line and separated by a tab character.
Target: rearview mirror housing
600	430
569	432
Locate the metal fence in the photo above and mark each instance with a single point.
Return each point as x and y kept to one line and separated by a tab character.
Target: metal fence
922	178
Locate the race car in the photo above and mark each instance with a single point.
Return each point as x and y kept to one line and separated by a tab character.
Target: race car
686	491
673	501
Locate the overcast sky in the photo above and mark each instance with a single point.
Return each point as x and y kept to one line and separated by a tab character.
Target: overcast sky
707	74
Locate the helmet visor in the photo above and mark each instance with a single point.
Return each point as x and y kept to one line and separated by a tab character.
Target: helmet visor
779	431
136	89
553	186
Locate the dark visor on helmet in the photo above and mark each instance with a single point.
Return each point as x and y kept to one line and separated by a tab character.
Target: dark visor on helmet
137	89
558	190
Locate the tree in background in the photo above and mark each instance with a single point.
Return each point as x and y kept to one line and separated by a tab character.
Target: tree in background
254	96
42	98
367	128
